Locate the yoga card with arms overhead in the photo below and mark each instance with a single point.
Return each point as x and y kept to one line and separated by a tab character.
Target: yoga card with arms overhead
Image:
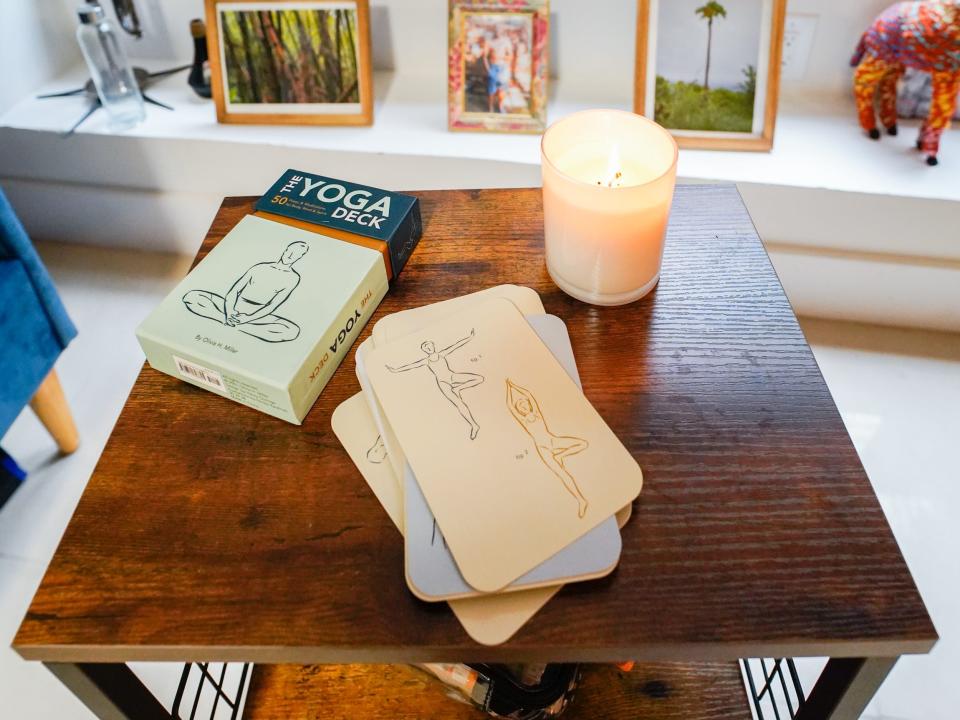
514	462
431	571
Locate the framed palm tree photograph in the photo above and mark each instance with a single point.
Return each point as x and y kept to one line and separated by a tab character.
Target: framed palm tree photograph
709	70
297	62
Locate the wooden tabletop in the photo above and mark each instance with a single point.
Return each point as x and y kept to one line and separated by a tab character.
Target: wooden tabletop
210	531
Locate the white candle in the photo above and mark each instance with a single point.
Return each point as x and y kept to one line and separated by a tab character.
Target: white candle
608	178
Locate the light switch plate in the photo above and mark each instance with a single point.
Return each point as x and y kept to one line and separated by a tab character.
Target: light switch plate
798	34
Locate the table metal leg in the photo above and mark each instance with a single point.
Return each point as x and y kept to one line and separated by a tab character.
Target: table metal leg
845	688
110	690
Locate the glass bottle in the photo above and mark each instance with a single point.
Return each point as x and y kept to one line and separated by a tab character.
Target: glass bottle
112	75
199	78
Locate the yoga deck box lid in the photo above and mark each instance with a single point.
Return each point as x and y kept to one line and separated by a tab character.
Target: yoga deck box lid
371	217
267	316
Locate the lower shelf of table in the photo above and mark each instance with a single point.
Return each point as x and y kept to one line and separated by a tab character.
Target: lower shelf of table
652	691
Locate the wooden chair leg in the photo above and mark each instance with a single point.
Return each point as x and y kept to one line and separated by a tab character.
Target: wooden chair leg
51	408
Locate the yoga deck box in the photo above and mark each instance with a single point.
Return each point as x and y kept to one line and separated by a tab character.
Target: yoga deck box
267	316
388	222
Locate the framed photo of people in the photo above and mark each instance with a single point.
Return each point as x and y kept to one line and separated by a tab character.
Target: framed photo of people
498	65
296	62
724	95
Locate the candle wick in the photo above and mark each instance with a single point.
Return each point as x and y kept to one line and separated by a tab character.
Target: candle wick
615	181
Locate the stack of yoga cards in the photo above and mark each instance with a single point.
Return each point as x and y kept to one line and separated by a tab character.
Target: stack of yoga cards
475	436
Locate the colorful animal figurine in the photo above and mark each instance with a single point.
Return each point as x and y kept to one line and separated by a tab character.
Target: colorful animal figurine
922	35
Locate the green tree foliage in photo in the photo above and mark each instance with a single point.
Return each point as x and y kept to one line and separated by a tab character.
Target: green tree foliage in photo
689	106
291	56
695	106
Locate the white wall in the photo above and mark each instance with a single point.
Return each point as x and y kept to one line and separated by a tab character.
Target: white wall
839	26
592	42
36	45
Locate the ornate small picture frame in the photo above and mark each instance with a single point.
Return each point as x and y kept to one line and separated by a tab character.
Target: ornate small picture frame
498	65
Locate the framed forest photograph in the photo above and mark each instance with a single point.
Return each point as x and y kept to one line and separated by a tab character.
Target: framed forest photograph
724	95
497	74
296	62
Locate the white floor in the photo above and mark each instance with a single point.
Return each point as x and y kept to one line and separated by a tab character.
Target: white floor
898	392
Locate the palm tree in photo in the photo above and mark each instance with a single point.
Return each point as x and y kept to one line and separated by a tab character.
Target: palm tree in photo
708	12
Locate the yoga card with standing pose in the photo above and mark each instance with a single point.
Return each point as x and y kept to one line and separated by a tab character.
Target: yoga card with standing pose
431	572
512	473
398	324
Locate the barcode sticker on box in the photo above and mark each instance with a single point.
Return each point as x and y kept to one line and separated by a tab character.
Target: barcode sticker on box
192	371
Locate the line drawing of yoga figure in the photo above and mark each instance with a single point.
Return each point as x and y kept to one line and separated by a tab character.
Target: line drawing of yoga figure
377	452
450	382
251	303
553	449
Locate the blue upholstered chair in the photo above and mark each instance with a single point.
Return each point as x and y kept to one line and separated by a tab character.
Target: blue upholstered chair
34	330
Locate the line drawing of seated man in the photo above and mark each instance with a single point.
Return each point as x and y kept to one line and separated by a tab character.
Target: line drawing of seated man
251	303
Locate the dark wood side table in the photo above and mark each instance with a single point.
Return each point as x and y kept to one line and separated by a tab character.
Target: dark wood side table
211	532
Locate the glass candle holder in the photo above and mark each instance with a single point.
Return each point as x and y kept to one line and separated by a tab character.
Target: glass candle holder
608	178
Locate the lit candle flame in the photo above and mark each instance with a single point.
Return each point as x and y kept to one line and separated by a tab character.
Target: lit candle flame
614	176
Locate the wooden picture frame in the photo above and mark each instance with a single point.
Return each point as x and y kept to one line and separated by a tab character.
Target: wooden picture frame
497	65
766	78
251	85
